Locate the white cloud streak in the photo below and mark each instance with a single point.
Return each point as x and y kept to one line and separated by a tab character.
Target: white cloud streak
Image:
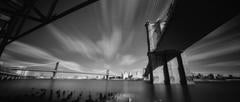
107	46
84	47
27	50
216	52
110	45
127	60
33	52
223	64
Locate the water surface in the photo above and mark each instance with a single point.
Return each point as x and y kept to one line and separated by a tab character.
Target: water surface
139	91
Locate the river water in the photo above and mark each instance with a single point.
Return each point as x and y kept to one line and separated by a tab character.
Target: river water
137	91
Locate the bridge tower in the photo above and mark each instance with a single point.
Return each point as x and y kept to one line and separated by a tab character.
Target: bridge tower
55	70
107	74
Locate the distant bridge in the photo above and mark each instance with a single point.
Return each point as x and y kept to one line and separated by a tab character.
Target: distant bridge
56	71
106	73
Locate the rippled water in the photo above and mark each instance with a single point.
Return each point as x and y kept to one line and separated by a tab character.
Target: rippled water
139	91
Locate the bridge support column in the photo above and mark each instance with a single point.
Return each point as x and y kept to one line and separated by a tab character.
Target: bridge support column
181	71
151	75
107	74
165	70
54	73
150	68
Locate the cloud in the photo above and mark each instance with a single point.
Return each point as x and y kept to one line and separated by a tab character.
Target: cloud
16	63
85	47
71	65
27	50
225	48
110	45
127	60
107	46
224	64
10	59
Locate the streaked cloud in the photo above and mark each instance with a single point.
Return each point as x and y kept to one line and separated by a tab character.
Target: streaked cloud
28	50
85	47
110	45
106	46
18	48
71	65
127	60
220	51
223	64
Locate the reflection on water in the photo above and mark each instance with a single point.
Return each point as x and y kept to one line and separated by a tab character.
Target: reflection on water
120	91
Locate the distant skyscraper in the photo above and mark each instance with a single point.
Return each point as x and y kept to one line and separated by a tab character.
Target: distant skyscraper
137	75
125	75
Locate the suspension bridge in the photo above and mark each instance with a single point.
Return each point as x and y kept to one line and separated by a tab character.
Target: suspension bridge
47	68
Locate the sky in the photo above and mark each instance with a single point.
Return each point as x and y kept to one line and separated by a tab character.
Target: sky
110	34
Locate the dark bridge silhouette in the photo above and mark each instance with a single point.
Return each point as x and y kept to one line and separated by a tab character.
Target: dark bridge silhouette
190	21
